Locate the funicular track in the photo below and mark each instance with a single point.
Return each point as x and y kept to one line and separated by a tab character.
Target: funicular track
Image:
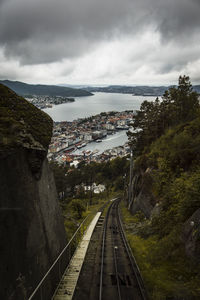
119	274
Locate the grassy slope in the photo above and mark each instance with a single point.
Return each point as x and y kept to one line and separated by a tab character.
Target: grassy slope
71	219
165	269
19	116
158	244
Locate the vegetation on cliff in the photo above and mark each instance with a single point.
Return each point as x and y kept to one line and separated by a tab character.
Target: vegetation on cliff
21	123
167	142
178	105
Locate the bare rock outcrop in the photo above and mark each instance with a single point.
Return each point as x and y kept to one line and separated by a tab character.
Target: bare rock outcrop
191	236
142	196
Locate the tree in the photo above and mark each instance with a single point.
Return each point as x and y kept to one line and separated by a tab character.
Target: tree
73	178
60	178
78	208
186	100
178	105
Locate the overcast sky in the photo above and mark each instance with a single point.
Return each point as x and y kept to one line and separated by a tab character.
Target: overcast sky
126	42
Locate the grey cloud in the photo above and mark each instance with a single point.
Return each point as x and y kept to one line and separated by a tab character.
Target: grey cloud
174	59
196	79
179	19
43	31
52	30
166	68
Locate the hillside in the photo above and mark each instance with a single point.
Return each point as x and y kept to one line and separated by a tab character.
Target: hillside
162	212
22	123
165	199
24	89
135	90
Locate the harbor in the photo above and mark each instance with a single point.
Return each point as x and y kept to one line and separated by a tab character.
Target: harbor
97	138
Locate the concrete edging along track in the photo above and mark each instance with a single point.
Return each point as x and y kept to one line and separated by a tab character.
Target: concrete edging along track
69	280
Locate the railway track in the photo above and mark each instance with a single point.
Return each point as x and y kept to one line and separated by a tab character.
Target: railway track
110	271
119	274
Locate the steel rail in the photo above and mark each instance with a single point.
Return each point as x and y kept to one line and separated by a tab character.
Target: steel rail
103	250
132	260
102	261
115	259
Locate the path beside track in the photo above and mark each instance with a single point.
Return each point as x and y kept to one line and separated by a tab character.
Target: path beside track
69	280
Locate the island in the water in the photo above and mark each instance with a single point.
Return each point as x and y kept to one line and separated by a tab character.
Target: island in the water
134	90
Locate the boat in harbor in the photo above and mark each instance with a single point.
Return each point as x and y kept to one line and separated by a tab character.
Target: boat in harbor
81	145
124	127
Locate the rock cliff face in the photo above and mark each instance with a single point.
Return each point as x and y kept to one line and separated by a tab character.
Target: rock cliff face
191	236
32	232
142	196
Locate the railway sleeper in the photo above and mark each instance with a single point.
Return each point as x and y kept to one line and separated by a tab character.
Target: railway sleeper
124	279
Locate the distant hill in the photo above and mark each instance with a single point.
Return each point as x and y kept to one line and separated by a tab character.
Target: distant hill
135	90
23	89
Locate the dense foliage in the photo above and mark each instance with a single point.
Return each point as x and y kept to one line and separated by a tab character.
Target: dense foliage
178	105
167	142
172	151
175	158
70	180
77	198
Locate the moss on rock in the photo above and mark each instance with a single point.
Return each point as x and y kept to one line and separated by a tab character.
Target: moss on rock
21	123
